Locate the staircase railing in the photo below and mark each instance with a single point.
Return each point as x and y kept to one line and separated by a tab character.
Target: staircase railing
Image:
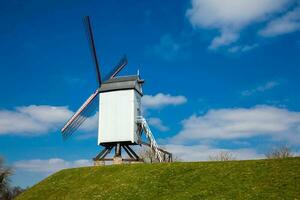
149	135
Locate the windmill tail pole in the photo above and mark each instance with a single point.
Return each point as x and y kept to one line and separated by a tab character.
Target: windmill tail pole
162	155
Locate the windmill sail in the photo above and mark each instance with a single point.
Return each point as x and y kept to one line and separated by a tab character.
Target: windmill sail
122	63
90	35
80	116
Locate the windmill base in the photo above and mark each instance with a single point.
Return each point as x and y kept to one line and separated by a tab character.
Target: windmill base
99	163
100	159
117	160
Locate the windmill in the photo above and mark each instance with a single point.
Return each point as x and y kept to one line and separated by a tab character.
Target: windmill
120	120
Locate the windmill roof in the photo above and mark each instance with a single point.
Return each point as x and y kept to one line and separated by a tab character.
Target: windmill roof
123	83
123	78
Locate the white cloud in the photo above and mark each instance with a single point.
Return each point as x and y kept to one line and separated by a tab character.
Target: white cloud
157	123
267	86
226	38
33	119
50	165
161	100
278	123
167	48
288	23
39	119
242	48
231	16
202	152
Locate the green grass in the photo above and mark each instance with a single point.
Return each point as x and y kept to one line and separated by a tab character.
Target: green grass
255	179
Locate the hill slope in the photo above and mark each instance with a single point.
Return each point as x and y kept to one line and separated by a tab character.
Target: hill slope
261	179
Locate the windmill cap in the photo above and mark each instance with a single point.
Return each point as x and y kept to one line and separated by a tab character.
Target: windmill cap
123	83
124	78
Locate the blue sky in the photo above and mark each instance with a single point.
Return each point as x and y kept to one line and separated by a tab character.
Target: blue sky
220	76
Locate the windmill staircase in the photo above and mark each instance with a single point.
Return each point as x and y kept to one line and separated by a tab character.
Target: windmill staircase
160	154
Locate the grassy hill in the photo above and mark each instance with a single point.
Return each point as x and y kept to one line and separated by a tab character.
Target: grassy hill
259	179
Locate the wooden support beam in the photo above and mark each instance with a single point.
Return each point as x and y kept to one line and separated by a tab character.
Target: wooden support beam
103	153
132	152
128	152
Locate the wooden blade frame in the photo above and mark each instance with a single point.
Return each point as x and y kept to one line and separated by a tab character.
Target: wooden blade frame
93	48
122	63
80	119
70	123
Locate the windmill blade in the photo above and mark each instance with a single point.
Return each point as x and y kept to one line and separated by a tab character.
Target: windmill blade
122	63
90	35
80	120
80	116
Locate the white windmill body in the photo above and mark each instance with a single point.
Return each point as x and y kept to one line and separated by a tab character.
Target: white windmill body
119	108
120	122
